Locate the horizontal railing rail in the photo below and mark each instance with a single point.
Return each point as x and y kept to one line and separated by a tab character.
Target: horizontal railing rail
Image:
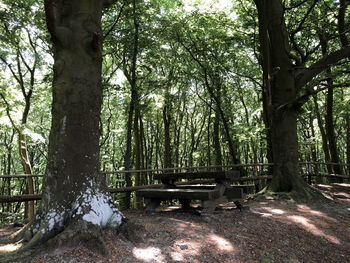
181	168
306	170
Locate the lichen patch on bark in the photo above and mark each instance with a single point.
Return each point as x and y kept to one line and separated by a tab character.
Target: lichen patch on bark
97	208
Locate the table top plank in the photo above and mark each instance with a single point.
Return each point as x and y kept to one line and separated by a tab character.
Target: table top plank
199	175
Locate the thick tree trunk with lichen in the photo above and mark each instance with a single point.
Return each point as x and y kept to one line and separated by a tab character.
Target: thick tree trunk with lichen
74	193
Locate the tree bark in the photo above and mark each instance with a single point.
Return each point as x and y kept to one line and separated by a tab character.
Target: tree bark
27	168
319	179
73	197
167	137
132	78
323	134
348	142
331	135
329	120
216	130
280	89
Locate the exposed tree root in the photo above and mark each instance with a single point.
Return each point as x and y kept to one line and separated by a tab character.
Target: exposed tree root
303	193
78	233
134	231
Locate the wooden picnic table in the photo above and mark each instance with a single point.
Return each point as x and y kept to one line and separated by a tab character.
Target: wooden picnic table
209	195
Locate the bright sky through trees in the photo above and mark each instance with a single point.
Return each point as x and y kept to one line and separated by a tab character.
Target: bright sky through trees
208	5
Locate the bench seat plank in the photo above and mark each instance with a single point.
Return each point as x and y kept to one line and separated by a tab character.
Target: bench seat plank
176	193
247	188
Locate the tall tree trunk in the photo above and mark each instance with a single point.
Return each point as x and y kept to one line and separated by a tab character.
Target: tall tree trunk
128	152
138	153
209	137
348	142
266	107
331	135
232	145
132	78
216	139
27	168
280	89
8	164
143	152
329	120
167	136
342	28
319	179
323	134
74	197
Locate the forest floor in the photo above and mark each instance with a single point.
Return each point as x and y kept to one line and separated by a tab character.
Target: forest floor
265	231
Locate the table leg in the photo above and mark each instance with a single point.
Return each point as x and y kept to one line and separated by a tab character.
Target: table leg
185	204
151	204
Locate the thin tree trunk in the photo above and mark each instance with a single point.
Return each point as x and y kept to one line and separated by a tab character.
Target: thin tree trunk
329	120
216	139
138	154
167	136
131	76
143	150
27	168
128	152
209	137
331	136
313	146
348	142
323	134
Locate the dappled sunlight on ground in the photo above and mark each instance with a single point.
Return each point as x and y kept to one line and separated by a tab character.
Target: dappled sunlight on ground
197	241
186	247
149	254
342	195
9	248
325	186
306	209
267	231
222	244
342	185
312	228
339	191
311	220
185	226
190	248
270	211
277	211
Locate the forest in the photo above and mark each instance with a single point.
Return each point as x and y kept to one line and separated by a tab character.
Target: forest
97	94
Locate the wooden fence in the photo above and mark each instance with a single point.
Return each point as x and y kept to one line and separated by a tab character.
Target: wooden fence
115	180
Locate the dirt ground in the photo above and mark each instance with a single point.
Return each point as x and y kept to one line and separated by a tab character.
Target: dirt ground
265	231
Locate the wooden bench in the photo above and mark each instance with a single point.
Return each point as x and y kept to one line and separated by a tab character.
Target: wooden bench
209	195
247	188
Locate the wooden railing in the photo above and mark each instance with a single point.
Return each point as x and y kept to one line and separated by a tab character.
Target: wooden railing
256	173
